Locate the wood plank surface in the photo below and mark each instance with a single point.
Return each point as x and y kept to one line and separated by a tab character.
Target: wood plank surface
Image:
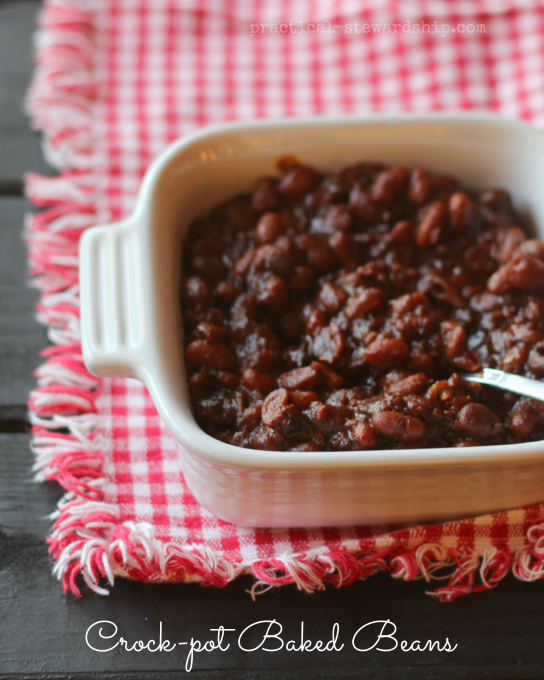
19	146
498	633
21	337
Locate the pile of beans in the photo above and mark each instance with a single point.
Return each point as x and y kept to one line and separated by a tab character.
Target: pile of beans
335	312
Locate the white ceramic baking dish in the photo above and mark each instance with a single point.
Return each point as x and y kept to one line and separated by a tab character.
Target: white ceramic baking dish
131	319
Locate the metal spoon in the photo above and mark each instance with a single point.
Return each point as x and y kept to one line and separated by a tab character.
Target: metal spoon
507	381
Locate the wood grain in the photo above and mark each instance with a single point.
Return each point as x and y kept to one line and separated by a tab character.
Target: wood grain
19	146
21	337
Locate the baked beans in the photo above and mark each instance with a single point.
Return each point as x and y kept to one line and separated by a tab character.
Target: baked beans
335	312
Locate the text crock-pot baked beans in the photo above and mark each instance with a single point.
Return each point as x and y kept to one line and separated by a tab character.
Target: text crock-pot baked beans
334	312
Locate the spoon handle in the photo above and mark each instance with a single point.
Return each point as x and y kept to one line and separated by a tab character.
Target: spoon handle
508	381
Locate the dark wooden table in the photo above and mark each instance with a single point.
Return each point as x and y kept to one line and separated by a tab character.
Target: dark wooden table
499	634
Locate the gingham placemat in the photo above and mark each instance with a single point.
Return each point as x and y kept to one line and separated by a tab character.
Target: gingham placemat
116	81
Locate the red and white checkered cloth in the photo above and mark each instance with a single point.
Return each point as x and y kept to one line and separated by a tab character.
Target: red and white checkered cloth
119	79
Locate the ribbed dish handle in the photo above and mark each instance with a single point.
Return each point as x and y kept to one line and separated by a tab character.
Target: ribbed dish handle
112	323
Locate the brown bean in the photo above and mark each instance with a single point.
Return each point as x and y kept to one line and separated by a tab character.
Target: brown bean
286	162
410	385
331	298
513	238
438	288
297	181
213	333
412	326
214	316
393	377
302	400
420	188
273	259
318	253
455	339
333	380
390	183
244	310
514	359
498	199
260	353
210	267
526	333
476	420
363	205
534	309
386	353
302	280
537	405
211	355
292	327
536	359
268	439
378	269
409	302
196	293
523	419
329	344
226	292
460	211
254	380
272	294
418	405
533	247
363	434
430	227
319	412
527	274
303	379
341	441
265	195
421	362
398	426
346	249
306	447
334	418
364	302
499	283
469	361
251	417
288	246
315	322
243	266
269	227
339	218
200	385
275	407
229	381
402	233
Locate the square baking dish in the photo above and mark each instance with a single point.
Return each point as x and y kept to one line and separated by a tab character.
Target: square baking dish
132	327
